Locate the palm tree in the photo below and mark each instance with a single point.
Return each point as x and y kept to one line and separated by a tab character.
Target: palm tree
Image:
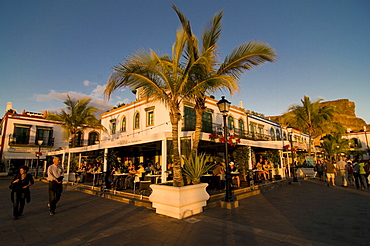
312	118
202	65
160	78
76	117
334	144
171	80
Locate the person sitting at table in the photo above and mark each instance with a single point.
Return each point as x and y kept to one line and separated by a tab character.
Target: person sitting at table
259	169
266	169
148	169
169	171
158	167
83	172
129	181
218	171
141	171
235	177
153	170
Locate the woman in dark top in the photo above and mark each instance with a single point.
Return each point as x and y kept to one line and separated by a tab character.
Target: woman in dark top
20	190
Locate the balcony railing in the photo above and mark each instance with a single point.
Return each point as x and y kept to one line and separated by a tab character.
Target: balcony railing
218	129
15	140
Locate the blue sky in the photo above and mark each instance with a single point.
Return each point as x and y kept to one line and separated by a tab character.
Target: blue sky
50	48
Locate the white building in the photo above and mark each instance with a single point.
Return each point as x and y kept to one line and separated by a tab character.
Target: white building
141	131
23	136
359	143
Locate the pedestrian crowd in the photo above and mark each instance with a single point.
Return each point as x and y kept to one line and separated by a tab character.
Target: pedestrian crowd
353	172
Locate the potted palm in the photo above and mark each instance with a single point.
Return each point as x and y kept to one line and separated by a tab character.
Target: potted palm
241	158
185	201
273	156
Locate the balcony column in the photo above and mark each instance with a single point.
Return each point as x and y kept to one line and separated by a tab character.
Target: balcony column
68	165
164	159
63	158
105	166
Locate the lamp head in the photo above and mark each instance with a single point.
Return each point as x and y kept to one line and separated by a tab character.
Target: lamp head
223	105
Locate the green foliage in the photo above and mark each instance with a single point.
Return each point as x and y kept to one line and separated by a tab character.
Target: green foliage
111	157
195	166
273	156
119	105
334	144
310	117
241	157
77	116
207	73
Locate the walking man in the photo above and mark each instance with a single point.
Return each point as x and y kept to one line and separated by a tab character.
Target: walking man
330	172
342	167
55	177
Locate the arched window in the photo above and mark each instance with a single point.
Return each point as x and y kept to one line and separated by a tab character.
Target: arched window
93	138
241	127
207	122
78	139
123	124
272	133
137	121
278	135
230	122
112	126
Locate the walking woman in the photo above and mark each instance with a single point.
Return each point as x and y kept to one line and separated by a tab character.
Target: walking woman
20	190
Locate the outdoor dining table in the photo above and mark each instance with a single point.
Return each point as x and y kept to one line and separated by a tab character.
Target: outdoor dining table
118	180
153	177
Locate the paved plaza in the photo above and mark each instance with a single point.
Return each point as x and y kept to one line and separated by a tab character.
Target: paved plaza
307	214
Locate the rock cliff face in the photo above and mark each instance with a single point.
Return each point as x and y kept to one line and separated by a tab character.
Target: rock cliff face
346	115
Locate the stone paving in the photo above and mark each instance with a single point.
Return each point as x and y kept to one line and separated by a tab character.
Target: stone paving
307	214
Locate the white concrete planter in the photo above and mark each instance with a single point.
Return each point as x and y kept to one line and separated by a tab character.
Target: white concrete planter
179	202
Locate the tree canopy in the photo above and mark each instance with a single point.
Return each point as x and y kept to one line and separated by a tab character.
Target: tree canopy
77	116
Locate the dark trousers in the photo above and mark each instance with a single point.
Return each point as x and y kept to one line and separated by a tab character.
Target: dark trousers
357	178
19	200
363	181
54	198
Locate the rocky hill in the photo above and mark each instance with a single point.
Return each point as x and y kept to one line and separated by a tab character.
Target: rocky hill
345	115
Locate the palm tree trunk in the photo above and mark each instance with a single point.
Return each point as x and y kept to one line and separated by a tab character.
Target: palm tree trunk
199	110
176	168
309	146
198	130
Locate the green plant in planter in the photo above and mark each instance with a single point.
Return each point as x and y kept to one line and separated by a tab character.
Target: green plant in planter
274	157
241	158
195	166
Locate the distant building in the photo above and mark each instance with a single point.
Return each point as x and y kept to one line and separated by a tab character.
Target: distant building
359	143
23	135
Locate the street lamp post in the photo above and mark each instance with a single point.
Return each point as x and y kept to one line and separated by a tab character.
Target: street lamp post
295	179
224	106
38	157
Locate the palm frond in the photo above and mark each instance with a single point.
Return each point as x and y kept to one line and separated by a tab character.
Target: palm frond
246	57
